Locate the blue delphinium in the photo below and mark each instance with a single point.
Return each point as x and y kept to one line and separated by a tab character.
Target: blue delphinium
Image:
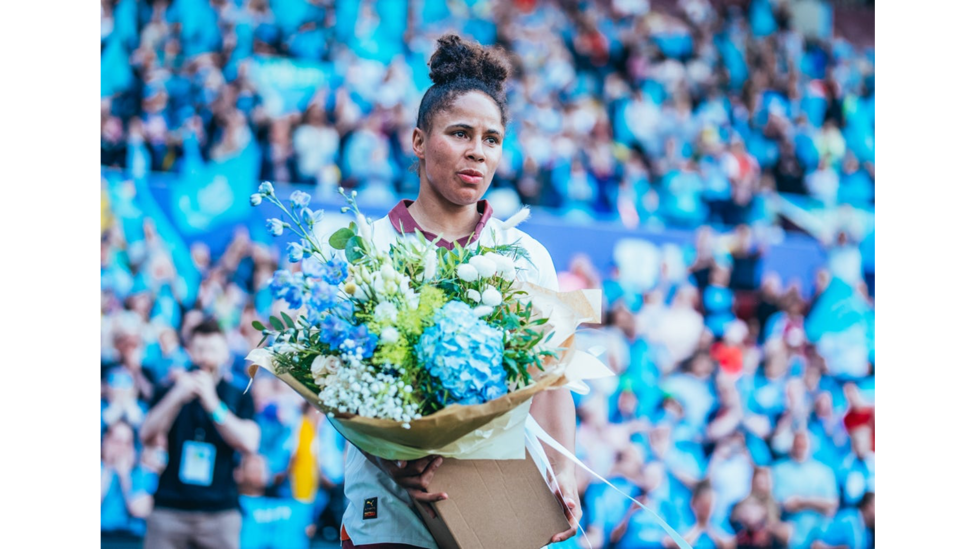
275	227
295	252
291	288
322	297
299	199
313	267
465	354
336	332
336	271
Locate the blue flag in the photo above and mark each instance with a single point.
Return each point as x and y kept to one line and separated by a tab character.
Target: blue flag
837	309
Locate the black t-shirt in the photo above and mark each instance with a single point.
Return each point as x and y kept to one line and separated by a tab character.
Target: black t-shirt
193	423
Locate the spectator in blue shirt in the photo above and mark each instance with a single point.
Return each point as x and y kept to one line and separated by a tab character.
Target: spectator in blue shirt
121	402
126	488
850	529
708	531
717	300
807	490
856	474
637	528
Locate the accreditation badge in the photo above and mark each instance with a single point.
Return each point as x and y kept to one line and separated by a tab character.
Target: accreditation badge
197	465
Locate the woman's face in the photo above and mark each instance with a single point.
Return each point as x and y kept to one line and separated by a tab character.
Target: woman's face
459	154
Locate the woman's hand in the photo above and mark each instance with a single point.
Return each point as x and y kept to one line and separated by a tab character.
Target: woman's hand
414	476
570	501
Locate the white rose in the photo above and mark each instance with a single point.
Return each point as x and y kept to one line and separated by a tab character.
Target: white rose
318	365
485	266
389	335
473	295
467	273
491	297
325	364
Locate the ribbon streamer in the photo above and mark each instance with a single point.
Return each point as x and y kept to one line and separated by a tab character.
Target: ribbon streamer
535	430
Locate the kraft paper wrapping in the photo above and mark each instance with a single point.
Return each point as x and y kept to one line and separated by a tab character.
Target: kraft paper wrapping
495	429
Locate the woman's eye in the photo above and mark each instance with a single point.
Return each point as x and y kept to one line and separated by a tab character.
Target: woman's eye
493	140
459	133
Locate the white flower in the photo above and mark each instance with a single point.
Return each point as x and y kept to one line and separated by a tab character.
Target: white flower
359	294
467	273
365	230
325	364
389	335
387	272
483	310
473	295
286	348
430	265
491	297
485	266
385	312
504	265
262	357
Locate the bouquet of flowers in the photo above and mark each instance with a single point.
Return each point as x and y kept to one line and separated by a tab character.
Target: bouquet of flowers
416	349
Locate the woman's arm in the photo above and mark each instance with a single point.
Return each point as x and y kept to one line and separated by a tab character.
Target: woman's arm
556	414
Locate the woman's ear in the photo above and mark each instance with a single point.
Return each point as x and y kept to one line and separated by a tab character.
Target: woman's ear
419	141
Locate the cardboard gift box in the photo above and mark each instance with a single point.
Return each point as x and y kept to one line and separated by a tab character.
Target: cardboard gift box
493	504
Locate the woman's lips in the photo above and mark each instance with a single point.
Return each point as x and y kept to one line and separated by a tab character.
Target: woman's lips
470	177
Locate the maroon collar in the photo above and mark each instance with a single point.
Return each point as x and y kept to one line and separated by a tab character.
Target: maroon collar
404	223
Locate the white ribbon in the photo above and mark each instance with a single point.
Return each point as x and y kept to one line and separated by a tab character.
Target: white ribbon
534	433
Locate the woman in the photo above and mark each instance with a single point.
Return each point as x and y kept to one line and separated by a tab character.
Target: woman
458	141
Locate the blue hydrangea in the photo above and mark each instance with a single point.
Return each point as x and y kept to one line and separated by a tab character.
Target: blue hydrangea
465	354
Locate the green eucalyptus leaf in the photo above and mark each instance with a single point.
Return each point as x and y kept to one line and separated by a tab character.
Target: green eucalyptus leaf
276	324
340	238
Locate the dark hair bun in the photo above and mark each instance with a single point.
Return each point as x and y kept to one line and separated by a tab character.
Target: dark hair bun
456	58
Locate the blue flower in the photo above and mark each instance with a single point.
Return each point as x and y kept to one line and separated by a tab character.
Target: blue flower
299	199
333	331
313	267
291	288
364	339
266	188
256	199
295	252
335	271
464	353
275	227
323	297
311	218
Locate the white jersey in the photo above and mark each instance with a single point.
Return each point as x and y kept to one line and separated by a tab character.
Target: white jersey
393	517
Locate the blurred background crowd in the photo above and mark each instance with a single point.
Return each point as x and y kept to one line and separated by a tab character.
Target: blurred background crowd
743	409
